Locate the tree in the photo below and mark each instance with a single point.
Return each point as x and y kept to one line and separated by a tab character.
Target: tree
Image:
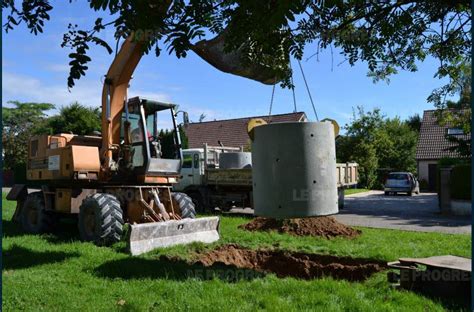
399	153
255	39
458	114
375	143
359	144
414	122
366	157
168	148
74	118
19	123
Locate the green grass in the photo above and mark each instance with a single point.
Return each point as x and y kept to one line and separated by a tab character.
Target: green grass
355	191
59	273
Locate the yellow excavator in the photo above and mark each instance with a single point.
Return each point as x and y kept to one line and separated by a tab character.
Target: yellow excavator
116	178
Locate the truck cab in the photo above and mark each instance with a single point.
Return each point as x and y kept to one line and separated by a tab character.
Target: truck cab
192	171
194	167
210	186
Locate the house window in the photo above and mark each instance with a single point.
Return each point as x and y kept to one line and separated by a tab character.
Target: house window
455	131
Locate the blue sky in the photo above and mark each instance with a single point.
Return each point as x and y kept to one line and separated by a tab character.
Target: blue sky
35	69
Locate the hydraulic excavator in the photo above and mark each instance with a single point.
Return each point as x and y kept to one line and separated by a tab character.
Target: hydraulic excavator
116	178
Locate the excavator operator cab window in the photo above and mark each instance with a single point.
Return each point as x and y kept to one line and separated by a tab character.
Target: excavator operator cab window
147	120
153	136
136	137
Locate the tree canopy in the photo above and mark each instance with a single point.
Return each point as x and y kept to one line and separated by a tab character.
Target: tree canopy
378	144
458	114
255	39
19	122
74	118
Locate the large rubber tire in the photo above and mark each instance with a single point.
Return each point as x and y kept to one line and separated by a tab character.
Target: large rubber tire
185	205
101	219
34	217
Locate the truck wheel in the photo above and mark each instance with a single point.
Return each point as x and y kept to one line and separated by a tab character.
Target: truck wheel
34	217
101	219
198	202
185	204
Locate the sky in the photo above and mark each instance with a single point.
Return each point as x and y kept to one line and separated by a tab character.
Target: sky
35	69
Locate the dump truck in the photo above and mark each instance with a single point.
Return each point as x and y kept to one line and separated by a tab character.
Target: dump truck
113	178
212	187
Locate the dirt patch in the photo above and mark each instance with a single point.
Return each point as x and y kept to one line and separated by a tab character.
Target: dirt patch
291	264
326	227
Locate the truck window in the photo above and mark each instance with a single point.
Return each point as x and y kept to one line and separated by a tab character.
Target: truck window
196	161
187	161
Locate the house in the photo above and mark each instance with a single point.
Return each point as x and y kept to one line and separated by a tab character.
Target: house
230	132
432	146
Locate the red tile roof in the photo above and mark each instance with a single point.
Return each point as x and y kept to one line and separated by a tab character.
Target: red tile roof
231	132
432	142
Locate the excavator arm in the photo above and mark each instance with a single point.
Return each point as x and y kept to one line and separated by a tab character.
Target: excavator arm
114	93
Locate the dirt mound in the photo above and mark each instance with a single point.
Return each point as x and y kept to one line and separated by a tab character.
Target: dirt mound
288	264
326	227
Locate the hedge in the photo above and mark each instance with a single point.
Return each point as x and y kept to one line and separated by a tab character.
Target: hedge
460	182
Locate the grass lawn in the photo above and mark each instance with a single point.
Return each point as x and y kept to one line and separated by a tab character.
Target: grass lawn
355	191
60	273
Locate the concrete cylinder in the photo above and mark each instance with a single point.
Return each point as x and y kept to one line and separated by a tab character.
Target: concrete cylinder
294	170
235	160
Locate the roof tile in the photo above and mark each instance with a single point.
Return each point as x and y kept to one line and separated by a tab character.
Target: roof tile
231	132
432	142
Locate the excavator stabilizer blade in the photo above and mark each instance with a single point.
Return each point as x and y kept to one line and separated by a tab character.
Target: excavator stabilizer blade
148	236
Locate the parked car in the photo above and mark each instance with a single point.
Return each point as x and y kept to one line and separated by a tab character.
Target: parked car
401	182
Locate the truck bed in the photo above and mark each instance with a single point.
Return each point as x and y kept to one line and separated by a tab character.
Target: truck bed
237	177
346	174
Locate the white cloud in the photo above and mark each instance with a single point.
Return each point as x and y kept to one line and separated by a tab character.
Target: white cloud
196	111
60	68
26	88
157	96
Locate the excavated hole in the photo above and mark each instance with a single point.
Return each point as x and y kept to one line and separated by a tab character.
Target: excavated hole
290	264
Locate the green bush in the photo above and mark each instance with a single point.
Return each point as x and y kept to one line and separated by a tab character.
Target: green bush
423	184
448	162
460	182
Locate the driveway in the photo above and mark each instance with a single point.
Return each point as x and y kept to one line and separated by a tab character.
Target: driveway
415	213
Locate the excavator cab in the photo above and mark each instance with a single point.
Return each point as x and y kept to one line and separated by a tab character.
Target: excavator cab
140	136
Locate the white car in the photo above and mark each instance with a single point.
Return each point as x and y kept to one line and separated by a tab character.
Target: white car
403	182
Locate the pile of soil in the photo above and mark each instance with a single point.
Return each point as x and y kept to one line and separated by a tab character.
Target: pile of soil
291	264
326	227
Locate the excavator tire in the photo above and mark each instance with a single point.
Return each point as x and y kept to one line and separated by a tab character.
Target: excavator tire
101	219
185	205
34	217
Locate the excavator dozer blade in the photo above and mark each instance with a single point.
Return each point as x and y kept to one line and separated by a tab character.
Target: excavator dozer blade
148	236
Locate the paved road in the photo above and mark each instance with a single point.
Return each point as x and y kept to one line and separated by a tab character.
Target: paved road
415	213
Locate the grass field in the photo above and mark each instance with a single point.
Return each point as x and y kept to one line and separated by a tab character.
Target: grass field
355	191
60	273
